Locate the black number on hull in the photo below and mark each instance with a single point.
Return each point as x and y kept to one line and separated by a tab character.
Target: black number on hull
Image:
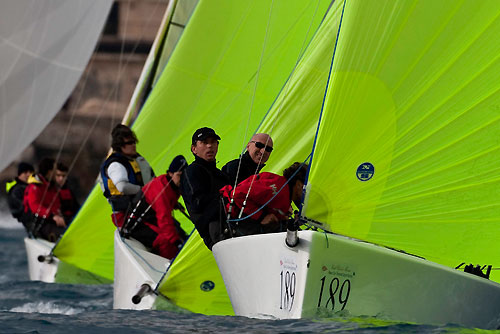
343	294
287	291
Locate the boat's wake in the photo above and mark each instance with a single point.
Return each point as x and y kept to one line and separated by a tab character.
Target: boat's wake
46	307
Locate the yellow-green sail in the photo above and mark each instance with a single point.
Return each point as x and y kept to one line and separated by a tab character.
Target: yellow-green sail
256	40
408	146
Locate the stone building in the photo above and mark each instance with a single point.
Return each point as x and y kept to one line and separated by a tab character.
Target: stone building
80	131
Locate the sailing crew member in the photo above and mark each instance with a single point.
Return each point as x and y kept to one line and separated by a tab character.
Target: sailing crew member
123	173
280	191
15	192
69	204
257	153
200	184
42	203
151	221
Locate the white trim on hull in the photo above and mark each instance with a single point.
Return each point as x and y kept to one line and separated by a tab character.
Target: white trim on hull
44	271
135	266
266	279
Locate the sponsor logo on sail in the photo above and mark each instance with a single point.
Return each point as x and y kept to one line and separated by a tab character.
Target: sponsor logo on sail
365	171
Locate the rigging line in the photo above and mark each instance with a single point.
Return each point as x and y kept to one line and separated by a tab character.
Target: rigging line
293	71
252	102
68	126
147	186
265	204
321	113
65	136
141	257
276	47
106	101
148	85
172	261
280	107
215	67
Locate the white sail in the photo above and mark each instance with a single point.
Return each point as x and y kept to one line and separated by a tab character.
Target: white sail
44	48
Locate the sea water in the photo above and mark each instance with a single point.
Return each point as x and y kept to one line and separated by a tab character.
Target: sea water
35	307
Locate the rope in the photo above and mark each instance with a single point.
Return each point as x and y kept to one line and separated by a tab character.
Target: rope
106	101
139	219
321	112
265	204
171	262
280	108
141	257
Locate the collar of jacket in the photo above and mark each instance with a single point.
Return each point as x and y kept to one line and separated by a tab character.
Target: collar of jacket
203	162
131	158
37	178
171	184
246	157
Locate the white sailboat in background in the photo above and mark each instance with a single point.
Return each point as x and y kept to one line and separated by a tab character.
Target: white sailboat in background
44	47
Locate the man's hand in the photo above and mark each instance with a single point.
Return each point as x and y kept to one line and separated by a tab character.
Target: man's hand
269	219
59	221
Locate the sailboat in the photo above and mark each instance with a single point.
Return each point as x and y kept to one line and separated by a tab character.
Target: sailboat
45	46
400	214
238	72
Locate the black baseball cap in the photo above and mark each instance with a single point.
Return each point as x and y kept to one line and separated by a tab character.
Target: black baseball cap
178	164
204	133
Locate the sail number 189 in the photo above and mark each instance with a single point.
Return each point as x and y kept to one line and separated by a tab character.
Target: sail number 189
334	294
287	293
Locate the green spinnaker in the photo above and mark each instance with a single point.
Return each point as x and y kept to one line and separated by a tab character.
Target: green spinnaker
414	92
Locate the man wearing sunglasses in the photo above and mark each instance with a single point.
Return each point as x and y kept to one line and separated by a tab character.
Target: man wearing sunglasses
200	184
257	153
124	172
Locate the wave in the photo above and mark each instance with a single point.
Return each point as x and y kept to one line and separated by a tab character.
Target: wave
46	307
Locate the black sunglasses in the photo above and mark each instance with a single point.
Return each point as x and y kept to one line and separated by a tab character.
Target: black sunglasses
260	145
130	142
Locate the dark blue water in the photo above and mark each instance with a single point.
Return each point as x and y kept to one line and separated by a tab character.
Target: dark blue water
35	307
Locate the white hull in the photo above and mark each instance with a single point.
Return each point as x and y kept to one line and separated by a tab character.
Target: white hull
135	266
40	271
329	274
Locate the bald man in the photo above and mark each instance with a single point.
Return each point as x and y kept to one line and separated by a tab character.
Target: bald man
257	153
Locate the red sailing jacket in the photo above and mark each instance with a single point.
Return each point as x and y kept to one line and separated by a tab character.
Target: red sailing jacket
40	197
264	187
69	205
162	203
